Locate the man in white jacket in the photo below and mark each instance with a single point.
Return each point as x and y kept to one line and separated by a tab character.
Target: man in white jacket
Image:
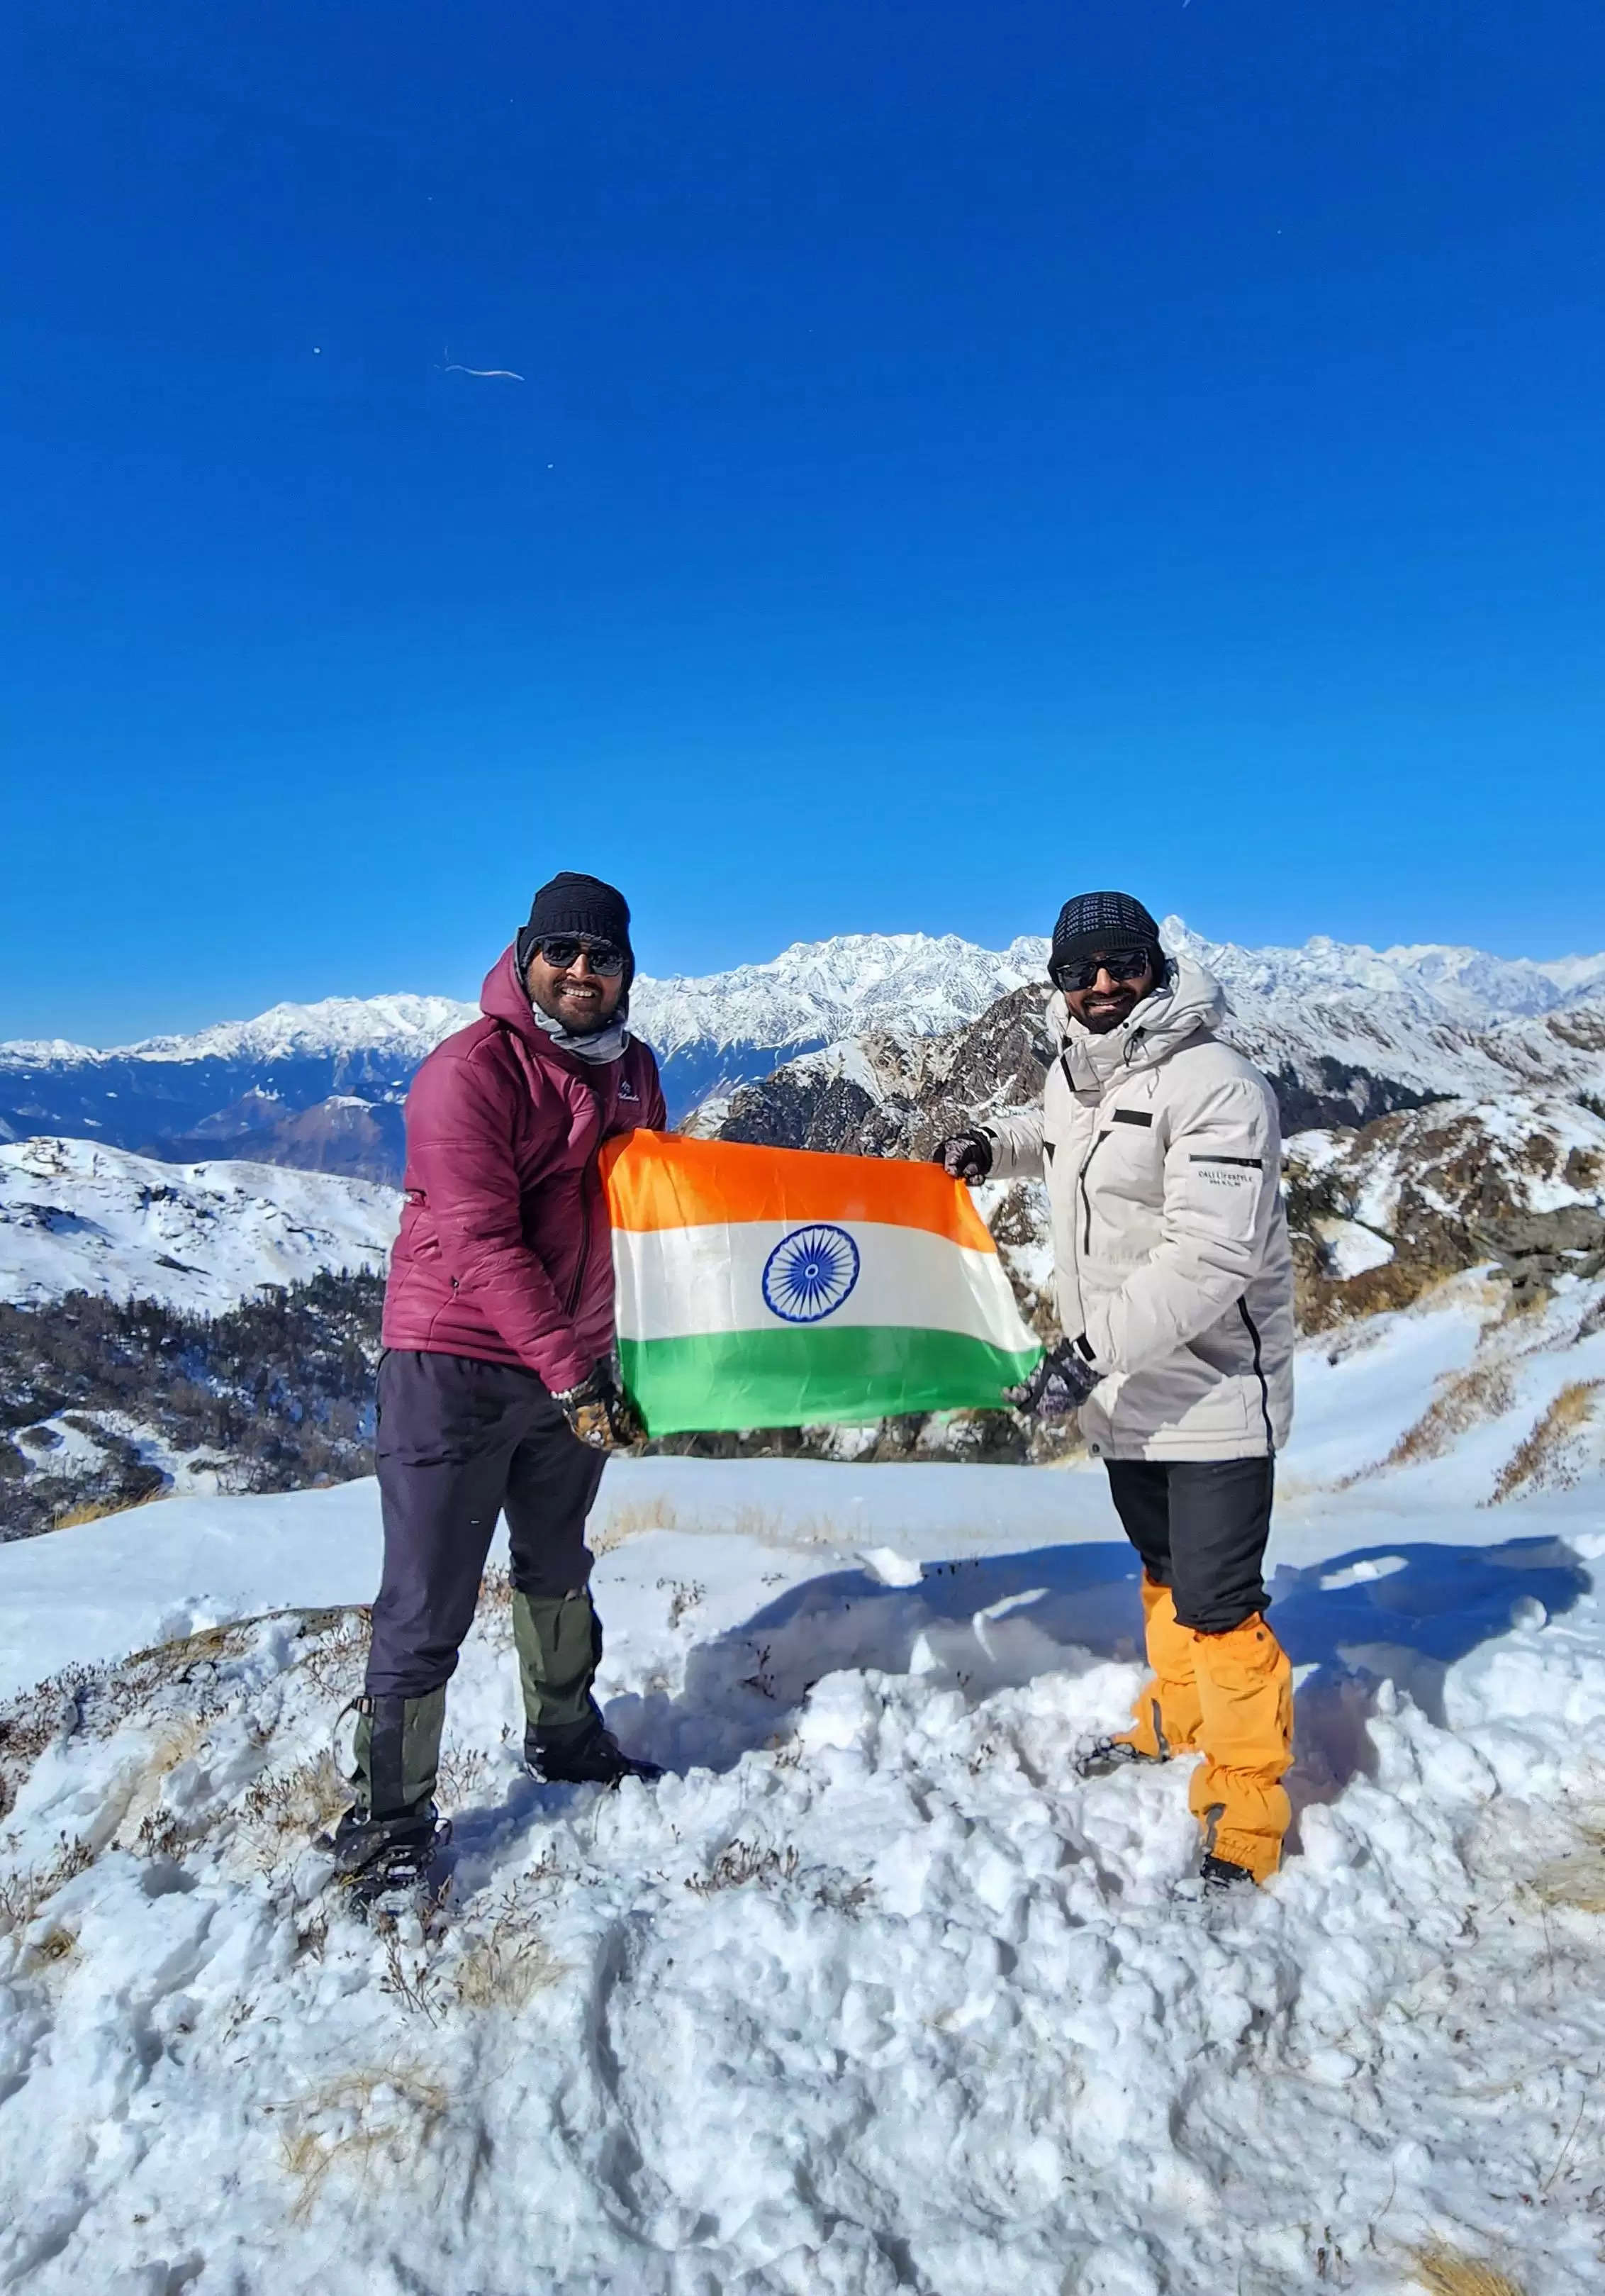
1160	1147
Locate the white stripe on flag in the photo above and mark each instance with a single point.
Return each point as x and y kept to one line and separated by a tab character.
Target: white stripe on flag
675	1282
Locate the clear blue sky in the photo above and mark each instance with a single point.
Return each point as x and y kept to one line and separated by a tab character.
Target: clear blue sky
965	454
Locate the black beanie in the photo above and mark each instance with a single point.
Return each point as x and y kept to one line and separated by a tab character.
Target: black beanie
576	904
1094	923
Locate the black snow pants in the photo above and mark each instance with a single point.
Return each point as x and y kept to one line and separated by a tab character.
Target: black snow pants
1200	1527
461	1442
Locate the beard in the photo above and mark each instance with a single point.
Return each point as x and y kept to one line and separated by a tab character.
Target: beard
585	1016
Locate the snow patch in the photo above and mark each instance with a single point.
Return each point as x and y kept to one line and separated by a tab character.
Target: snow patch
74	1216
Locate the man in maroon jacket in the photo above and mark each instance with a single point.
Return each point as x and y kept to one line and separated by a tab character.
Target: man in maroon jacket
497	1392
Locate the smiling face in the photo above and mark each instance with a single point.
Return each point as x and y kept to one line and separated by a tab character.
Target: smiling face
580	1000
1109	998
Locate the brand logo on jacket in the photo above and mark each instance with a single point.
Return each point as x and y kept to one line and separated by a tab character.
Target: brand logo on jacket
626	1090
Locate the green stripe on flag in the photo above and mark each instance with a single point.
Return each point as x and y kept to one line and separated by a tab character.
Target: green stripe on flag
795	1378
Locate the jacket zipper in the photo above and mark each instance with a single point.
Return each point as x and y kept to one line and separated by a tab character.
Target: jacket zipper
1260	1373
578	1286
1087	1234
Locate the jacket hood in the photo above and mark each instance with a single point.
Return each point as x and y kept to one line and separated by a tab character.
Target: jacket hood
504	998
1190	1002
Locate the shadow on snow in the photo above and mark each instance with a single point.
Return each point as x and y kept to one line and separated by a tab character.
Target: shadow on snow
1401	1613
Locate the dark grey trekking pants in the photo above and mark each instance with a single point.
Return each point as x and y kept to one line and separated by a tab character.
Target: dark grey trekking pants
461	1442
1200	1527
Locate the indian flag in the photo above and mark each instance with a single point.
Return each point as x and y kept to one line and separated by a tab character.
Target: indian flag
774	1287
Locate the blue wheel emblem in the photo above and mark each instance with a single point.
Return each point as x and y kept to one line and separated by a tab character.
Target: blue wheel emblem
810	1273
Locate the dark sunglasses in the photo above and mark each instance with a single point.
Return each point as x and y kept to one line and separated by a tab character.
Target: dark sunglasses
1119	964
606	959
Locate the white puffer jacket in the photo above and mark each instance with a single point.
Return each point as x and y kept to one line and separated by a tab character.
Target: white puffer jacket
1162	1153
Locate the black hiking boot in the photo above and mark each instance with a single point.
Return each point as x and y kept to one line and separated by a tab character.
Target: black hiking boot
378	1857
1112	1754
1220	1876
583	1754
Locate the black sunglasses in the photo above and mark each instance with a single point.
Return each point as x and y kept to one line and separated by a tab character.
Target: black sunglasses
1119	964
605	957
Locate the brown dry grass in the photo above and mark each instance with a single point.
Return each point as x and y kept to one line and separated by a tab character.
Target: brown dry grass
181	1741
23	1895
765	1525
55	1945
1445	2271
505	1968
351	2118
97	1509
1541	1460
1324	1301
496	1592
296	1802
742	1862
333	1664
148	1826
461	1774
630	1521
1466	1400
1577	1880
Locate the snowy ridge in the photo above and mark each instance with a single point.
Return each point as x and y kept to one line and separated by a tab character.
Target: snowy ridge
914	983
816	990
320	1085
336	1025
1460	984
76	1217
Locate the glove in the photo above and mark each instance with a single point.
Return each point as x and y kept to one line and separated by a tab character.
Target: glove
1060	1384
966	1156
600	1413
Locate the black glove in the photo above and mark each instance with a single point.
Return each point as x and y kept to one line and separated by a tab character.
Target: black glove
966	1156
1060	1384
600	1412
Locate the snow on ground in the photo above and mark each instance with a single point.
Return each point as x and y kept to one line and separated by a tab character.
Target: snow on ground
78	1217
1464	1402
871	1994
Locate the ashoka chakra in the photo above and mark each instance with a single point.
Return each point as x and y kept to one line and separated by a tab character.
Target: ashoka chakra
810	1273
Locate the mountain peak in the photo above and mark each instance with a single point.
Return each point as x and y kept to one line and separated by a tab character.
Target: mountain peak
290	1085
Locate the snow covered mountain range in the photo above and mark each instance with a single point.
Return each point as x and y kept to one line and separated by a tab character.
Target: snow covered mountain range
320	1086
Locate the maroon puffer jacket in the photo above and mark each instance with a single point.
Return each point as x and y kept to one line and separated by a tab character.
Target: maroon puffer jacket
505	1252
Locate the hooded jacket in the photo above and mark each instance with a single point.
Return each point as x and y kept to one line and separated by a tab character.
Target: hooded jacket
1161	1148
505	1252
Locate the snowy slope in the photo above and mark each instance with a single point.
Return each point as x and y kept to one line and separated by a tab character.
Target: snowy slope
870	1995
77	1216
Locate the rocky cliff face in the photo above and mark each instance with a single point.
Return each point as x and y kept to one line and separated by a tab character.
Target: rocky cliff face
882	1095
879	1094
1380	1213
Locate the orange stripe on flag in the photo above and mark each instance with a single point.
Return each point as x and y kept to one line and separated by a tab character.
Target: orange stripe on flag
658	1179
